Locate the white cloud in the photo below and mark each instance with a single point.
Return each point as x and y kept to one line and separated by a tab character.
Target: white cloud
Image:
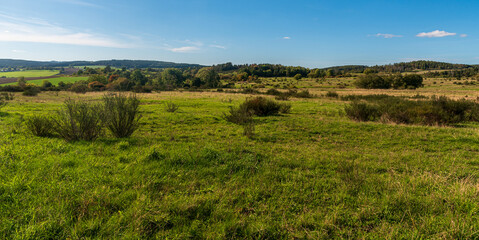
435	34
287	38
387	35
39	31
186	49
463	35
218	46
79	3
19	51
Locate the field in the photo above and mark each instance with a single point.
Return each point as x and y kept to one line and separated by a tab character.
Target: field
29	73
54	81
309	174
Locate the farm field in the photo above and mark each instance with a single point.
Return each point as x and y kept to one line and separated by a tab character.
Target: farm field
29	73
310	174
54	81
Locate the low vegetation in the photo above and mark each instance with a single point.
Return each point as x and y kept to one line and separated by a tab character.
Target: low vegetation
436	111
231	164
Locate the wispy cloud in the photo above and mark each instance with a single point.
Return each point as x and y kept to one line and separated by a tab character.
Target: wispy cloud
186	49
287	38
463	35
387	35
435	34
14	29
217	46
79	3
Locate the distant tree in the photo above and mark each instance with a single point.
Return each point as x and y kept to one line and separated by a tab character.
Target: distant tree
138	78
97	78
372	81
21	82
298	76
172	77
46	84
209	77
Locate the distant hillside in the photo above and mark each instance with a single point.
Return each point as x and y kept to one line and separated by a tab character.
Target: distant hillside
422	65
12	63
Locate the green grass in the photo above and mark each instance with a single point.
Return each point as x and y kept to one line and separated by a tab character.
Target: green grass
310	174
54	81
29	73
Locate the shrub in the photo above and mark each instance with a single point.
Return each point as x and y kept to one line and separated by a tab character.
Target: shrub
261	106
243	117
273	91
78	120
239	115
436	111
171	107
332	94
372	81
121	114
361	111
304	94
79	88
30	91
40	126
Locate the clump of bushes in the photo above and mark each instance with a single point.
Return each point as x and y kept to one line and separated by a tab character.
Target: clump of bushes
332	94
81	120
31	90
259	106
436	111
121	114
398	81
40	126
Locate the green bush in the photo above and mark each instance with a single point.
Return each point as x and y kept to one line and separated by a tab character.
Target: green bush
361	111
304	94
121	114
79	120
240	115
332	94
31	91
40	126
171	107
273	91
261	106
372	81
436	111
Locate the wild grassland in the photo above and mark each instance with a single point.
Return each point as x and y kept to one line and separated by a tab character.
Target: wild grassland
309	174
29	73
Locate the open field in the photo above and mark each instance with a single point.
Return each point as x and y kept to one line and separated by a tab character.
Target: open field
29	73
312	174
54	81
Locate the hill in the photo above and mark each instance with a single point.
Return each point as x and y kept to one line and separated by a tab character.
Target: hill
14	63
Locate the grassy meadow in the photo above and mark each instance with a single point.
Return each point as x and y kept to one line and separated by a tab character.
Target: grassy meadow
54	81
29	73
309	174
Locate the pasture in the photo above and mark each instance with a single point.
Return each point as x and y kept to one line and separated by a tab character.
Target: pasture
29	73
309	174
54	81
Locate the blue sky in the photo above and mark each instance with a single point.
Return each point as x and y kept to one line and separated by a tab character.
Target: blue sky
311	33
